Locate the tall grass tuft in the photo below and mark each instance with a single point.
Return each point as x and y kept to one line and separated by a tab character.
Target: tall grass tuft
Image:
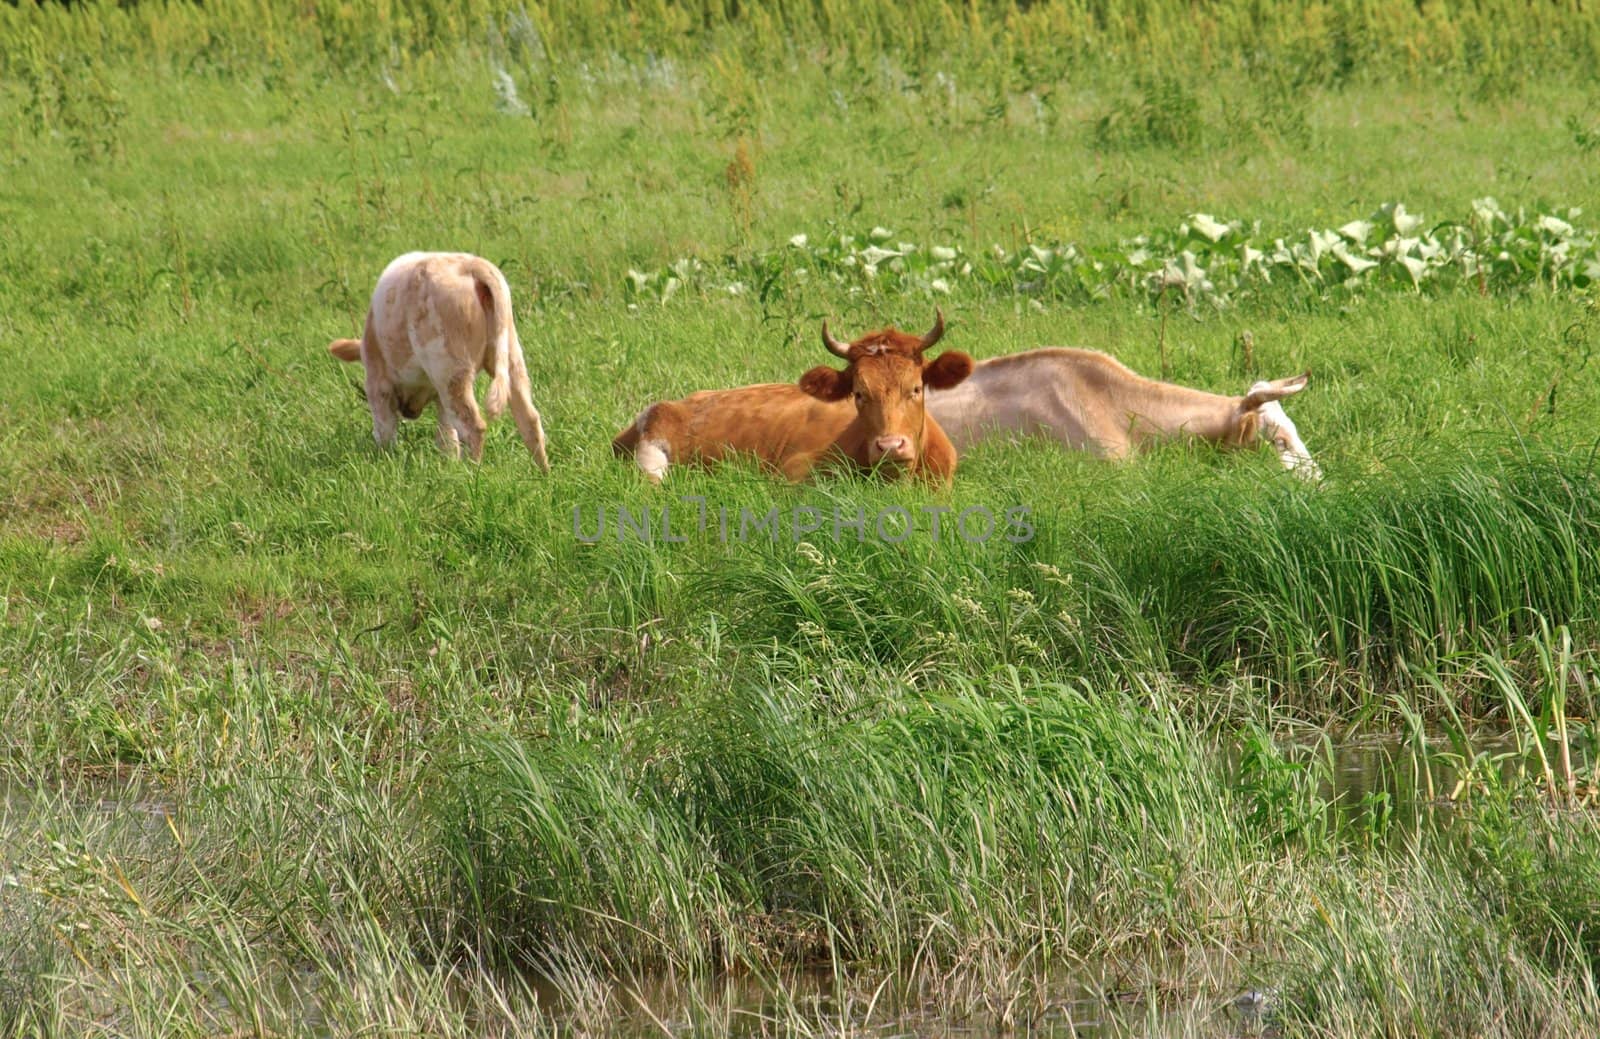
558	857
1505	912
1344	586
773	821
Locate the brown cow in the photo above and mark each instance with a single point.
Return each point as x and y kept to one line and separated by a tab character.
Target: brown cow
435	321
1090	401
869	415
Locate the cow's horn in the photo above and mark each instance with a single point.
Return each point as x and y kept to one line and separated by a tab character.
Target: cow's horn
833	345
935	333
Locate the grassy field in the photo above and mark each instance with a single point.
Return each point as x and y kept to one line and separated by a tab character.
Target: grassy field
301	737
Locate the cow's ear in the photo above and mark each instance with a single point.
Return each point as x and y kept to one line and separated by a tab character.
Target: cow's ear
826	383
1277	389
947	370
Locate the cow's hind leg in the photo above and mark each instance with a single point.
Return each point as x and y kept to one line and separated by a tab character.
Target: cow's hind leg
458	414
446	437
385	408
652	458
386	413
652	447
381	396
527	416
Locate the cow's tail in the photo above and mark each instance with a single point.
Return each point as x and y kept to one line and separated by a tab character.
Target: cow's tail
346	349
625	442
495	298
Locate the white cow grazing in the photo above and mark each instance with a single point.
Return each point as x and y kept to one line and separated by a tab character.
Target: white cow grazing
436	320
1090	401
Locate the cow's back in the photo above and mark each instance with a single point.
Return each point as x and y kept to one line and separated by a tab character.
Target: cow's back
772	421
1083	398
1057	392
429	300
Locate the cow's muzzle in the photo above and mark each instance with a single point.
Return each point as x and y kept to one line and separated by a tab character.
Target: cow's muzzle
896	449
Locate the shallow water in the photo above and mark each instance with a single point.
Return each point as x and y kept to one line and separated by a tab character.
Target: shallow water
896	1005
1399	784
124	797
1379	785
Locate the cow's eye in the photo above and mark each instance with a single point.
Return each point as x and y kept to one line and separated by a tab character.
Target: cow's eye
916	391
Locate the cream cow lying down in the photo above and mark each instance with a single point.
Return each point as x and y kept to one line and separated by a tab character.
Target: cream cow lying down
1090	401
435	321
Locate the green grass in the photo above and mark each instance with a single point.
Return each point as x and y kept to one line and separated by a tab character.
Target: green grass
301	737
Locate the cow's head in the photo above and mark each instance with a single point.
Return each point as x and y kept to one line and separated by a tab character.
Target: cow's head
1261	416
885	374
